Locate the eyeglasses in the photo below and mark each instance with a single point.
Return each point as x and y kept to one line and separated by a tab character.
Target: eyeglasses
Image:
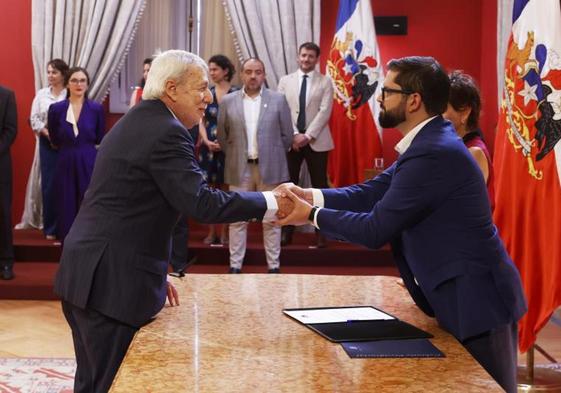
388	90
78	81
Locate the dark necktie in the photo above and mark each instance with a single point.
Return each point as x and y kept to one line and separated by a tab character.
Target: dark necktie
301	121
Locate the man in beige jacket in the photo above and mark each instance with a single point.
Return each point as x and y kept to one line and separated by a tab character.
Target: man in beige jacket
310	97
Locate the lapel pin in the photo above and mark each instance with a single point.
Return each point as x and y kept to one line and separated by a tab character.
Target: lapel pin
264	105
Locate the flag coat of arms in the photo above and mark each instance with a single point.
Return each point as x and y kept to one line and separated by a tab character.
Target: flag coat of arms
354	67
528	159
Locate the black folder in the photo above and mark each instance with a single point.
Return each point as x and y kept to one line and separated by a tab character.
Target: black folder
364	330
415	348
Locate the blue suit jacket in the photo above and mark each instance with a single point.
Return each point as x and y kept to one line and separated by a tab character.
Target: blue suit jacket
115	257
432	205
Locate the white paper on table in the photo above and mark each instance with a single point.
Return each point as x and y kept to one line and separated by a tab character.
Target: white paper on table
333	315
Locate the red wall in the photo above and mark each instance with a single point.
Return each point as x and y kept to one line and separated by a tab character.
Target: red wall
460	35
16	73
488	71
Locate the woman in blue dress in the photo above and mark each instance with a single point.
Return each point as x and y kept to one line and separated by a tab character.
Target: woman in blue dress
211	157
76	127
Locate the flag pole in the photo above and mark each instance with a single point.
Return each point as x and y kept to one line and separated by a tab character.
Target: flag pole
537	379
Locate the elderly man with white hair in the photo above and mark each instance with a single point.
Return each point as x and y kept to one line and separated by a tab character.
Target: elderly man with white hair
113	270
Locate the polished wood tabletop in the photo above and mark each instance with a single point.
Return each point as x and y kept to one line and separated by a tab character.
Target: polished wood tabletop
230	335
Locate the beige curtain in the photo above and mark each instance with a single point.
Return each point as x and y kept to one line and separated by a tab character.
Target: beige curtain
164	25
94	34
32	216
216	37
272	30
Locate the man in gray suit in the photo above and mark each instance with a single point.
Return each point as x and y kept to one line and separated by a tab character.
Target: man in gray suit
112	274
255	132
310	97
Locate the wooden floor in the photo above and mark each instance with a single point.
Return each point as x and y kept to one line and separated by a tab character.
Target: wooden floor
34	328
31	328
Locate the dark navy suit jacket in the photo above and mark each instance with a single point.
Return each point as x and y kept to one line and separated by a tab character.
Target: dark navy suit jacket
115	257
432	205
8	131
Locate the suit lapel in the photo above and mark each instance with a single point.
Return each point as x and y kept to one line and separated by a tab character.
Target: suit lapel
81	119
69	129
239	104
313	87
265	98
295	87
238	108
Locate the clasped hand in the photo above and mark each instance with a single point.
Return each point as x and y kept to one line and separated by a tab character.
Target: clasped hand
299	141
294	203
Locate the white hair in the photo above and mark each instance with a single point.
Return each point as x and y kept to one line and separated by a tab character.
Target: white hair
169	65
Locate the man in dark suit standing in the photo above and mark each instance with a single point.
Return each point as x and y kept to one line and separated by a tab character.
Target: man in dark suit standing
113	270
8	131
432	205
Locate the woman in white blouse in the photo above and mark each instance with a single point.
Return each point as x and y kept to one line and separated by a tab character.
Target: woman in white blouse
40	184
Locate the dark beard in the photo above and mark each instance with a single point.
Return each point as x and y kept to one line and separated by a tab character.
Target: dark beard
390	119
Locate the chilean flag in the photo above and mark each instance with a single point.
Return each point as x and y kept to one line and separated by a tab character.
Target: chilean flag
528	159
355	69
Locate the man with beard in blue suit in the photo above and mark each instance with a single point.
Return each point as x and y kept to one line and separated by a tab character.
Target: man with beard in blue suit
112	275
432	206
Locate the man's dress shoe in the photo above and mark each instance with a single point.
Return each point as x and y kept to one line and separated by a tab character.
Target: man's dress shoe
7	273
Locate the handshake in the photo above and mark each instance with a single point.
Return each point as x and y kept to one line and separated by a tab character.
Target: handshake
294	204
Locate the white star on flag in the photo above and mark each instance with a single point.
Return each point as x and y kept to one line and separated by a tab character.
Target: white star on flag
529	93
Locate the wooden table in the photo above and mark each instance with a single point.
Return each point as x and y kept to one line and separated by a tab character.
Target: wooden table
230	335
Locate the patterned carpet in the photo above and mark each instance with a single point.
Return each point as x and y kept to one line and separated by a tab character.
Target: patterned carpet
36	375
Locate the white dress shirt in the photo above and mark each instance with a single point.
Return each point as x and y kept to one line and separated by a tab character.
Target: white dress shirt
308	82
251	108
40	107
406	141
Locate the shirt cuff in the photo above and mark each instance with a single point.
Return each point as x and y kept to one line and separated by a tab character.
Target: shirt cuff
272	207
307	136
315	222
318	198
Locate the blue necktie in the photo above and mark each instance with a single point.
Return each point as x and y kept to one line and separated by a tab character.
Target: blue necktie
301	121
